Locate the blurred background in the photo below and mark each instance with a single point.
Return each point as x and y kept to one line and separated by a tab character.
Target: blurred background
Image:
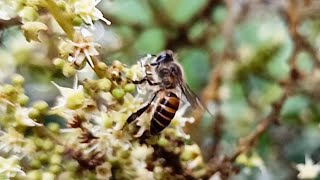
246	44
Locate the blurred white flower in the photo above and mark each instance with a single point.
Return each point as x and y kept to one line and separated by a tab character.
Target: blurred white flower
139	156
309	170
14	142
9	167
179	121
88	12
85	48
8	9
22	117
130	103
68	93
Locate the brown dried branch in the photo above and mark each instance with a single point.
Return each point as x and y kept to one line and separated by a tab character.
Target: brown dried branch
211	91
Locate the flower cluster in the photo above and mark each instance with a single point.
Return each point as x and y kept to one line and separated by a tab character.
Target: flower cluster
88	132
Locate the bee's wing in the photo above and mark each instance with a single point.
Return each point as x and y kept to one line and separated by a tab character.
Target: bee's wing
193	98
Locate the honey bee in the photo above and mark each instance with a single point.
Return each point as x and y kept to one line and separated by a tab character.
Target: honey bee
171	84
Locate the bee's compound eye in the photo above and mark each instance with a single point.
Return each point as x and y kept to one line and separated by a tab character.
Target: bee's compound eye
164	57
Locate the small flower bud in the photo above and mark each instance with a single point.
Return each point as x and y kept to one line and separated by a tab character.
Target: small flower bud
59	63
55	169
47	145
118	93
75	101
54	127
59	149
9	90
41	106
48	176
35	163
107	122
104	84
17	80
34	113
23	99
43	157
55	159
68	70
77	21
129	88
34	175
28	14
163	142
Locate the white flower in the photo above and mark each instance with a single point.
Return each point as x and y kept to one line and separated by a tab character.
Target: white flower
309	170
9	167
14	142
85	48
67	93
179	121
130	103
139	155
8	9
22	117
88	12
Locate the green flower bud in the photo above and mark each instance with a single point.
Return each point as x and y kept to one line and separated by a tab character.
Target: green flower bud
34	175
130	87
34	113
47	145
77	21
9	90
68	70
23	99
104	84
35	163
59	149
61	5
54	127
118	93
75	101
59	63
125	154
55	169
17	80
28	14
107	122
163	142
41	106
38	142
43	157
56	159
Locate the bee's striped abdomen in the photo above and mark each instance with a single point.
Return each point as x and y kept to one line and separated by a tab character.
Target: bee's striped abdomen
164	113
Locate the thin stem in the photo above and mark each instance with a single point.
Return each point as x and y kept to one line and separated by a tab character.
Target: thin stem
63	20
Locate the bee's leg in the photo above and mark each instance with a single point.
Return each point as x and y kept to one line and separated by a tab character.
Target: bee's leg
137	114
145	79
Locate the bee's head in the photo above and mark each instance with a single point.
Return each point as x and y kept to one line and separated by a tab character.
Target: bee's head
165	56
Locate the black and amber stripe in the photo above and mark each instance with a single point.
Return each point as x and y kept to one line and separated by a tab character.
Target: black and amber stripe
164	113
